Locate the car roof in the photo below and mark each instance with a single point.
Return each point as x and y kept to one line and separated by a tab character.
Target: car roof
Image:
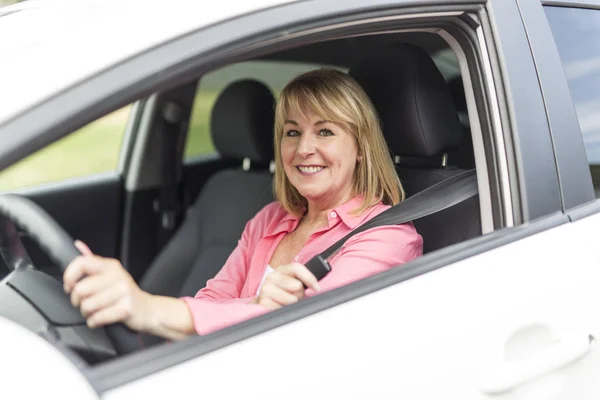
53	44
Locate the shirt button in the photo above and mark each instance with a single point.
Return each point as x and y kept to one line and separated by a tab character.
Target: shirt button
333	214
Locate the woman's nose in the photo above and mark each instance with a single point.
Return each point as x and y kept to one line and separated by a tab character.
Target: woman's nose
306	145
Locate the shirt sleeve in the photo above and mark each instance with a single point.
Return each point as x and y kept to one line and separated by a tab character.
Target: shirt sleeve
220	304
371	252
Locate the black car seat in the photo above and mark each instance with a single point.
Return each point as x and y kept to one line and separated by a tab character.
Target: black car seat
422	127
242	128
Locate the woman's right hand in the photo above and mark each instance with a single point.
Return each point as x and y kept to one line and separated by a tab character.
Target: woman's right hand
105	292
285	286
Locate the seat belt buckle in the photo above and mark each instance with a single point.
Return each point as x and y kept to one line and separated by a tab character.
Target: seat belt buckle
318	266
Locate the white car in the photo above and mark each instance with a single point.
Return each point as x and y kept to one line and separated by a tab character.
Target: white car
139	148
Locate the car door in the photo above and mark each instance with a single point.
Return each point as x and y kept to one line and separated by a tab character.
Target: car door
508	315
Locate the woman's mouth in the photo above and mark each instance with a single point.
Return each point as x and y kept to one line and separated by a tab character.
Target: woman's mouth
310	170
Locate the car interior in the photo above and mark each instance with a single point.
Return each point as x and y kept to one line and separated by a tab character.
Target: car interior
176	235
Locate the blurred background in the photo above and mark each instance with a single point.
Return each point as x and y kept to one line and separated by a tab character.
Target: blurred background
8	2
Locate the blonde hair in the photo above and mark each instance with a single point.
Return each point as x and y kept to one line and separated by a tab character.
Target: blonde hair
335	96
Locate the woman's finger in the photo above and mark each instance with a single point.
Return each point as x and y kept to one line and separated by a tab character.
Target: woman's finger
268	303
102	300
302	273
287	282
92	285
80	267
83	248
277	295
117	312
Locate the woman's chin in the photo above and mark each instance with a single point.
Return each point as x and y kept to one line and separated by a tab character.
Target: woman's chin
311	195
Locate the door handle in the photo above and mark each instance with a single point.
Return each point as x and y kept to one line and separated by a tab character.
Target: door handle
510	375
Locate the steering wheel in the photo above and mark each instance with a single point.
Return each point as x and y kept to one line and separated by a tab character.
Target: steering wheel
17	211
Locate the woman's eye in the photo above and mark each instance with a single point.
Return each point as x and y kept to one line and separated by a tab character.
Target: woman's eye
325	132
292	133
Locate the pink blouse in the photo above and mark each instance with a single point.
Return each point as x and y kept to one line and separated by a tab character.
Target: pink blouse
224	300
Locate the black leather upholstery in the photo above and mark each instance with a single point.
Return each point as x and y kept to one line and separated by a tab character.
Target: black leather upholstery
243	118
412	99
242	126
419	119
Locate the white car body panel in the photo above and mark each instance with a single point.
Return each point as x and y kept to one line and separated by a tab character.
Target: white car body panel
57	43
409	341
32	368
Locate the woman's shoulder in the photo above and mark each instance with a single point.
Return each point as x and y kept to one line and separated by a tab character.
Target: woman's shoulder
273	210
272	213
390	233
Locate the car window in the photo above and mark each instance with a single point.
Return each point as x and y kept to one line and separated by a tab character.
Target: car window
447	63
576	32
275	74
92	149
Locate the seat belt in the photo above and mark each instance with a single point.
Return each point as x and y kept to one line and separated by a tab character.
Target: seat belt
168	206
435	198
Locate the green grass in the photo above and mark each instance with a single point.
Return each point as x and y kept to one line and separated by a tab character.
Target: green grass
95	148
199	140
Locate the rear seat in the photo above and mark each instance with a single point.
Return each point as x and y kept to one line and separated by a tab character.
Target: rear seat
422	127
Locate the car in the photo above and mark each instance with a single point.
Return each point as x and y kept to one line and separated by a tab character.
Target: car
115	128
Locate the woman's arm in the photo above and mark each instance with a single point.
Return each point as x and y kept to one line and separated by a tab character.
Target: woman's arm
106	293
170	318
371	252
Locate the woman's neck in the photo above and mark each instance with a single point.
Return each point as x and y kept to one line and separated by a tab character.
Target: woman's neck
316	214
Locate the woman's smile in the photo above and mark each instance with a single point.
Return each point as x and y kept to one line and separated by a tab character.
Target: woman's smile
310	170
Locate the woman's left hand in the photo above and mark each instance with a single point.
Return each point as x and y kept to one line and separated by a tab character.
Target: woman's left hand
285	286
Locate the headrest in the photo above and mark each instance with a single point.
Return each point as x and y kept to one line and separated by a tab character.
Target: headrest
242	121
413	101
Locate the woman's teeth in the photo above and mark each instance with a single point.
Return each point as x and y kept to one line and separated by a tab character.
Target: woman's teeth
310	170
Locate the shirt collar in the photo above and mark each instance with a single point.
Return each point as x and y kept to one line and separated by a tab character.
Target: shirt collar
344	212
289	222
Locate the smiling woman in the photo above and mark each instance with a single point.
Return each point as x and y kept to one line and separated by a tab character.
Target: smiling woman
333	171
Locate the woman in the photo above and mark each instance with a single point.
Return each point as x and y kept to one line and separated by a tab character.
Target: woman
333	172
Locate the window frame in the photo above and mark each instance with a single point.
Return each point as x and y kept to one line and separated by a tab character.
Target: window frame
573	169
591	4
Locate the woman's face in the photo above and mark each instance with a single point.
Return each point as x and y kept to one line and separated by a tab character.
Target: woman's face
319	158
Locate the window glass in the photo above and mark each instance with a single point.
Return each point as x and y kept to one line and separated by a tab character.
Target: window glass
577	32
446	61
275	74
92	149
